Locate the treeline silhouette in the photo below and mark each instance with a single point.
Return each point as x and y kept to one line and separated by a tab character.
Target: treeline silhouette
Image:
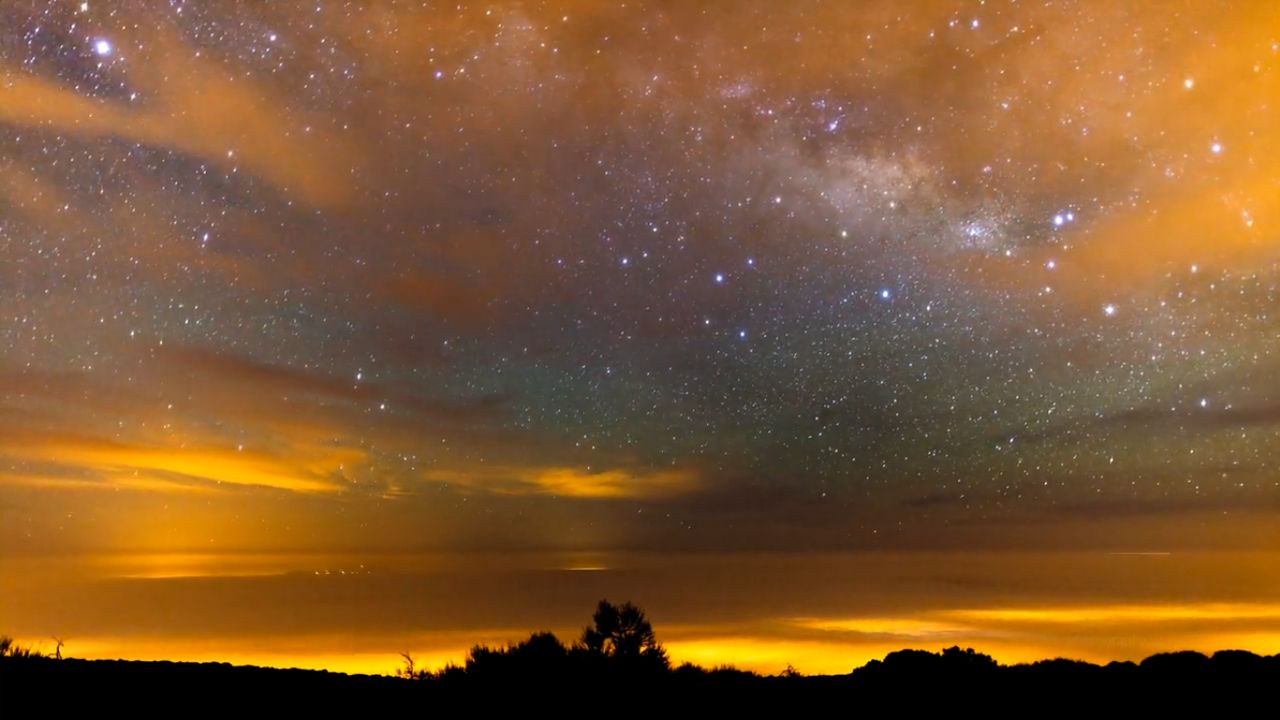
618	667
618	646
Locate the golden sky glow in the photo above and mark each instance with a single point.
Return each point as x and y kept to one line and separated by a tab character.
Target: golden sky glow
287	288
786	609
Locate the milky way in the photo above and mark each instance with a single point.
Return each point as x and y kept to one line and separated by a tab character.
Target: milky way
585	275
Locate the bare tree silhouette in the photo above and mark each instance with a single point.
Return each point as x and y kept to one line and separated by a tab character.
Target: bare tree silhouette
410	668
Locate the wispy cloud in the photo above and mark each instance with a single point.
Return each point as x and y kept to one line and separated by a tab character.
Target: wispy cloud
611	484
197	107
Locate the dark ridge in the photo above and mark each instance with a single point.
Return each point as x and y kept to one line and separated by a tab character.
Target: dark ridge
618	667
531	678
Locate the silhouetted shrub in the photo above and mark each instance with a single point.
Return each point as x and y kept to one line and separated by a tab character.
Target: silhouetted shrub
9	648
625	636
1176	663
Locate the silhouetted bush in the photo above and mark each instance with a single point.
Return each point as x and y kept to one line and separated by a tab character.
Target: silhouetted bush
1177	663
541	656
619	668
11	649
619	646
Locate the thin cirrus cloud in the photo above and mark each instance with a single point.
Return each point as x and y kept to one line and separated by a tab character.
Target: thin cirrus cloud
245	423
68	460
612	484
208	420
225	120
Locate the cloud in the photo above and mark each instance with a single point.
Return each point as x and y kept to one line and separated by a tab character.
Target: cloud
207	420
1240	504
1152	418
197	107
247	374
616	484
934	500
311	469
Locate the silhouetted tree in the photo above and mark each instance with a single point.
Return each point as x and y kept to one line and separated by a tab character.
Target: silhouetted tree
623	634
410	670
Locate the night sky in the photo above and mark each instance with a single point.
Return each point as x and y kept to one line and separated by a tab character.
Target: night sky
739	277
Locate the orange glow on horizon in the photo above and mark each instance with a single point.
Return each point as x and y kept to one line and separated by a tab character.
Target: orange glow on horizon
818	330
1097	634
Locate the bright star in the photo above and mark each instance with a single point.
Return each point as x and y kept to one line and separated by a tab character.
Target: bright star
102	46
719	278
1109	310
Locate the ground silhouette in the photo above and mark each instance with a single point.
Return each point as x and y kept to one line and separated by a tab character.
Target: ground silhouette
618	667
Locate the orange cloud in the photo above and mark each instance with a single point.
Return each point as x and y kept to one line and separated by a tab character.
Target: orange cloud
617	484
174	466
1121	614
197	107
238	422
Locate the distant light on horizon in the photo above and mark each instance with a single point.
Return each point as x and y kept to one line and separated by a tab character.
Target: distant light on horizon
704	281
